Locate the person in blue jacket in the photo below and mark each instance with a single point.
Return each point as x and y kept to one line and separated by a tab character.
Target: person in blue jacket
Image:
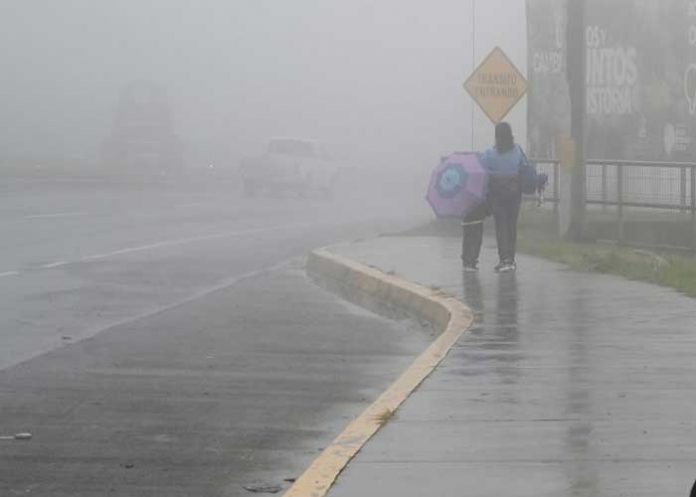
504	162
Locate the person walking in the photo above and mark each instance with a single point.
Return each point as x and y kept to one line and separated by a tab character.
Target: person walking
504	162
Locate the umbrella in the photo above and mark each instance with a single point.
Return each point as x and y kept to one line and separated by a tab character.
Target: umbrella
458	184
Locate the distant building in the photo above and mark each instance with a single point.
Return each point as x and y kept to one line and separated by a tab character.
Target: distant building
142	136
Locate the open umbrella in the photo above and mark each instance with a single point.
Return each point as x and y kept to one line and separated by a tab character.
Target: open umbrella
458	185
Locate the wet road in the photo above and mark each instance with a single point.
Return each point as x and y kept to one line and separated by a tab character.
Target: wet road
163	340
77	258
569	384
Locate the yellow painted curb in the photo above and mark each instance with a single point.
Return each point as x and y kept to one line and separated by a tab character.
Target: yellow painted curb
447	314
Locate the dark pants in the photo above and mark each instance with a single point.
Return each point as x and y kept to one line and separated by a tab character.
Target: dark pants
472	227
504	199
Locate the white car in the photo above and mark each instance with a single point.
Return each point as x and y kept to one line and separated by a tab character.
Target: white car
293	165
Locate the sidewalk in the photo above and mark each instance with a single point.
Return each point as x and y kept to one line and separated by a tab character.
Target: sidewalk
568	384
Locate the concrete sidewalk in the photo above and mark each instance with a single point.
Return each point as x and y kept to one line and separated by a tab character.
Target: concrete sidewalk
568	384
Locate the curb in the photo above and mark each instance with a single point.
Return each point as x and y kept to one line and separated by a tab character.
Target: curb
367	286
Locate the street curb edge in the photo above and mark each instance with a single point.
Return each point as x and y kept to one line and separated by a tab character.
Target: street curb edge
364	284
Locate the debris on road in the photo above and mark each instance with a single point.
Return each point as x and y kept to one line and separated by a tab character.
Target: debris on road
262	489
16	436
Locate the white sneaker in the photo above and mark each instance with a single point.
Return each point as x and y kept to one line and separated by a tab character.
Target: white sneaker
508	267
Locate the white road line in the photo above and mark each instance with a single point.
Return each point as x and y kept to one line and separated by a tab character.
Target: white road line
60	214
168	243
182	241
221	285
54	265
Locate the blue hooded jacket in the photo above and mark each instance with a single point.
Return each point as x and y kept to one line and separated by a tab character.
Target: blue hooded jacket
507	164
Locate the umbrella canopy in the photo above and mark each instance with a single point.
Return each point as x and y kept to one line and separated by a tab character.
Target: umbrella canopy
458	184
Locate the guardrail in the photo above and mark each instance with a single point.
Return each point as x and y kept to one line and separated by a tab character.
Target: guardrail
624	184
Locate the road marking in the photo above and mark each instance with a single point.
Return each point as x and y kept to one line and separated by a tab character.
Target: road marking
54	265
60	214
318	479
166	243
183	241
221	285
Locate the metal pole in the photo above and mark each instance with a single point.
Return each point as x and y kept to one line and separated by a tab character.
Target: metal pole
605	191
576	68
693	207
473	68
556	189
619	203
682	187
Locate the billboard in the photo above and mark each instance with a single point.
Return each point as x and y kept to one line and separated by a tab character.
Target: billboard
641	78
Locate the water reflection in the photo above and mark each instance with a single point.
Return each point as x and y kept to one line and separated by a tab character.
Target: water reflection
583	477
507	307
507	332
473	295
494	338
494	352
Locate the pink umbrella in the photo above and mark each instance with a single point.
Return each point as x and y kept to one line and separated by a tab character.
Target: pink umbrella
458	185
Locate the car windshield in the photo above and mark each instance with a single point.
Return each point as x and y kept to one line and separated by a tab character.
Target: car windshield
292	147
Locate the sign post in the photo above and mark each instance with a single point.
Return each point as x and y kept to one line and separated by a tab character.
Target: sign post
496	85
576	74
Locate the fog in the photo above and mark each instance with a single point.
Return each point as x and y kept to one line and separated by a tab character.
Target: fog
380	82
169	170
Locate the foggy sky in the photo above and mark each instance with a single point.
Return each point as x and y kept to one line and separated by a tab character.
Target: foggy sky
381	78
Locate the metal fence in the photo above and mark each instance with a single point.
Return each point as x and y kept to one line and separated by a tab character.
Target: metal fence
616	186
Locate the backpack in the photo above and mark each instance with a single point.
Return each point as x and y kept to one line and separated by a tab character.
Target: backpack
529	178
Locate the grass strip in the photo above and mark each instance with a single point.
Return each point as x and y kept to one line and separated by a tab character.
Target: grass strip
673	271
536	238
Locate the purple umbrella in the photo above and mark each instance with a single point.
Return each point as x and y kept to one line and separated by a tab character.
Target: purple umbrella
457	186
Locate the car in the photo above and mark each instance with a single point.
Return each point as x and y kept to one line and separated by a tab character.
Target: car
294	165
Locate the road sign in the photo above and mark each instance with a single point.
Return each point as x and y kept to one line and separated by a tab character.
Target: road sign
496	85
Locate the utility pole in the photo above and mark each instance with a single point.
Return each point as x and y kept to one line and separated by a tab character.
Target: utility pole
473	68
577	85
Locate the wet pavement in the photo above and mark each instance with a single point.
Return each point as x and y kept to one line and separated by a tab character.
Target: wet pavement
77	259
241	388
568	384
163	339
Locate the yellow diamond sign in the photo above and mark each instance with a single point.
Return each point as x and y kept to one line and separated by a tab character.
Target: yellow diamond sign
496	85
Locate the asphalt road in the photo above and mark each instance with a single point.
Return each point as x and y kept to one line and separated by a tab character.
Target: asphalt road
163	339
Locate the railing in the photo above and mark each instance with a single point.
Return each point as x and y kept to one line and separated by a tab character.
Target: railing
644	186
